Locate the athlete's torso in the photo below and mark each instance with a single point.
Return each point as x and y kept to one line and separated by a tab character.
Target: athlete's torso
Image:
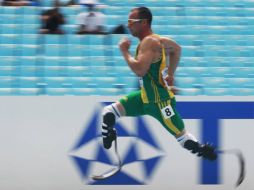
153	89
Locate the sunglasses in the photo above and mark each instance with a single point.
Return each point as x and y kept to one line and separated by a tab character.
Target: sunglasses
132	21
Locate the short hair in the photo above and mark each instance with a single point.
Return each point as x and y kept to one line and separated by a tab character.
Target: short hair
144	13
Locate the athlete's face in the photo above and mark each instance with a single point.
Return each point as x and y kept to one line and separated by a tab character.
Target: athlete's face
134	23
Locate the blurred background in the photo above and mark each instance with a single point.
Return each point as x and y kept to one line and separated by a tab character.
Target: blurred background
49	47
69	49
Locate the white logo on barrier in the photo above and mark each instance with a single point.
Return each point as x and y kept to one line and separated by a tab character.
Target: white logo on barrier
138	149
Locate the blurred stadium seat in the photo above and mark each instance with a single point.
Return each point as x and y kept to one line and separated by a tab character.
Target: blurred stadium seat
217	39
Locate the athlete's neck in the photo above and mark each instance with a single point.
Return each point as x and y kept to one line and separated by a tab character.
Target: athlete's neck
145	34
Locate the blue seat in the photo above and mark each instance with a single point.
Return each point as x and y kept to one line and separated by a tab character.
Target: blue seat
11	10
84	91
6	91
215	82
52	50
81	82
25	91
219	72
50	39
97	39
30	19
28	60
76	61
217	91
54	61
9	61
242	82
190	91
31	10
70	19
76	39
115	20
6	50
187	82
130	82
5	82
70	28
47	3
124	71
28	82
10	29
191	71
55	71
77	50
55	82
77	71
190	51
97	50
58	91
105	82
110	10
30	71
29	29
10	19
8	38
193	61
103	71
243	91
29	39
69	11
119	61
109	91
243	72
28	50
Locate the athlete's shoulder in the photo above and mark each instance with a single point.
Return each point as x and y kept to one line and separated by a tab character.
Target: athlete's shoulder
151	41
167	39
169	43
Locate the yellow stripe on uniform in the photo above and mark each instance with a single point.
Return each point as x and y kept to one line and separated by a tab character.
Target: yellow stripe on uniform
169	123
171	94
155	90
144	95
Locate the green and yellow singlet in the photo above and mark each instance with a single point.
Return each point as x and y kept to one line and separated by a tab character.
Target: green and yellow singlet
153	88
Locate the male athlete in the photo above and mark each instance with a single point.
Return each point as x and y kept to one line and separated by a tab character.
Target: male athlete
154	98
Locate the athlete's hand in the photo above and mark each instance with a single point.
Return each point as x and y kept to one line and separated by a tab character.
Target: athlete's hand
170	82
124	44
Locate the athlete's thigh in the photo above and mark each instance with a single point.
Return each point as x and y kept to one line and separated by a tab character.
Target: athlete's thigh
168	116
133	104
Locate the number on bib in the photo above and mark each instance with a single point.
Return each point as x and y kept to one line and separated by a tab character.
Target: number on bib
167	112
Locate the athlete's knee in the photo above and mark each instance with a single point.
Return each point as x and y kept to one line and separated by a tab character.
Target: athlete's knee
110	114
185	137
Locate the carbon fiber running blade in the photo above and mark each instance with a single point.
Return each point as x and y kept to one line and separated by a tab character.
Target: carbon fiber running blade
241	160
112	171
106	175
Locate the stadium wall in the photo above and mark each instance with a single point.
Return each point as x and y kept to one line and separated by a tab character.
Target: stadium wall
54	143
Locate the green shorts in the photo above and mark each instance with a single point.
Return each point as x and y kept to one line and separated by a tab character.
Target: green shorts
164	112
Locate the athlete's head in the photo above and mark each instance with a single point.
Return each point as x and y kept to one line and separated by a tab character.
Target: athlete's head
140	19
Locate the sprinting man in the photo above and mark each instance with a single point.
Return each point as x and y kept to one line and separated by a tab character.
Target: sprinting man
154	97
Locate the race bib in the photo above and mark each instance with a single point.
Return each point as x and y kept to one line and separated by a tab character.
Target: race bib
167	112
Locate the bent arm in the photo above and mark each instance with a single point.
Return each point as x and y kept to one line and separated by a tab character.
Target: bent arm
173	50
141	64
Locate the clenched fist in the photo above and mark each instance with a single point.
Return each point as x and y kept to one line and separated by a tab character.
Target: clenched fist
124	44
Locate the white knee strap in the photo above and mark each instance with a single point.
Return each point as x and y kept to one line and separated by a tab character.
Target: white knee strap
113	109
185	137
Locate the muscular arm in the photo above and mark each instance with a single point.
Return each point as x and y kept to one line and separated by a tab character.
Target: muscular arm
141	64
173	50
